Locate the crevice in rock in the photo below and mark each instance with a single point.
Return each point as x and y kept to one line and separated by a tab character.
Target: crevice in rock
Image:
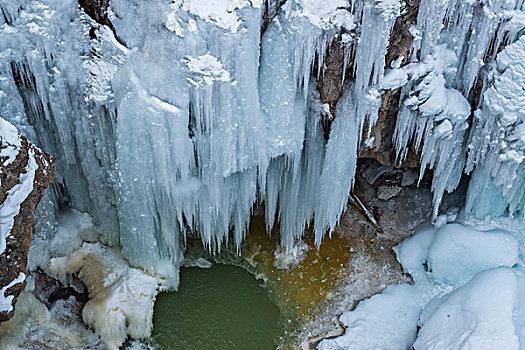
271	8
98	11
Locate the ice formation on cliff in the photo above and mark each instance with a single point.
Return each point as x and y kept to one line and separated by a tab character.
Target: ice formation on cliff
181	117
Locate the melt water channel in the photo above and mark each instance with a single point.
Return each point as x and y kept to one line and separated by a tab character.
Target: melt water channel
222	307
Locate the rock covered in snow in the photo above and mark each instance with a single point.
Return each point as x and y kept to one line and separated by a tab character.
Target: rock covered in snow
25	172
458	253
458	299
121	297
482	314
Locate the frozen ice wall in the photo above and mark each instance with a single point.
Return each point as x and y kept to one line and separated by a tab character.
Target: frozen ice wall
181	116
498	137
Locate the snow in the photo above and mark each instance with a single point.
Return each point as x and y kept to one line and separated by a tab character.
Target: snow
464	296
10	141
6	302
326	13
479	315
221	13
384	321
73	228
393	79
121	298
458	253
208	68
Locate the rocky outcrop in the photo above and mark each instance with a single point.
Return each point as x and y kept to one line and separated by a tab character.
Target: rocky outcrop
25	172
98	10
382	149
330	87
331	82
271	7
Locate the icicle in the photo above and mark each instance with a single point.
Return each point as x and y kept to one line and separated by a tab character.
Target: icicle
339	167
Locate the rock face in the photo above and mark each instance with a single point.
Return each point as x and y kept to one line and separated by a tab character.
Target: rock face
331	88
382	148
25	172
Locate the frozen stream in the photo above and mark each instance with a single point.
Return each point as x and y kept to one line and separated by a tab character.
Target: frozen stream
223	307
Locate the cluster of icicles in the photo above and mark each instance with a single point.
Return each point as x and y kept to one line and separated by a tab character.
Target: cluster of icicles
187	118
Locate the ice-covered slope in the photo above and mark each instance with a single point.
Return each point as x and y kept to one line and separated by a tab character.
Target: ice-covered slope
175	118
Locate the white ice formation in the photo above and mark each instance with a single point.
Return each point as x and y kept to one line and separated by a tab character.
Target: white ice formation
121	298
181	117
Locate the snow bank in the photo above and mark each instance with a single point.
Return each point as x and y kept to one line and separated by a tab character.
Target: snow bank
465	292
121	298
479	315
385	321
458	253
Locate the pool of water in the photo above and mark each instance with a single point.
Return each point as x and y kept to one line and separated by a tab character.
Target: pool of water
223	307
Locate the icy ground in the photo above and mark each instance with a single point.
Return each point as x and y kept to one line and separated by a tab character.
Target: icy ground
467	293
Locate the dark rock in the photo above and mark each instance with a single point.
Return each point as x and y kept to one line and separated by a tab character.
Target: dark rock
331	82
98	10
271	7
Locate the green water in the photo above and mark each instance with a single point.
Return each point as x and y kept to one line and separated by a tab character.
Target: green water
223	307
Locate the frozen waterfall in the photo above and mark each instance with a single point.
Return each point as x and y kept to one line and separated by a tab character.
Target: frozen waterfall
180	117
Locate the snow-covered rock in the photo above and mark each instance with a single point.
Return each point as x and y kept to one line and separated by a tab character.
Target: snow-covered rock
481	314
465	295
25	172
121	298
